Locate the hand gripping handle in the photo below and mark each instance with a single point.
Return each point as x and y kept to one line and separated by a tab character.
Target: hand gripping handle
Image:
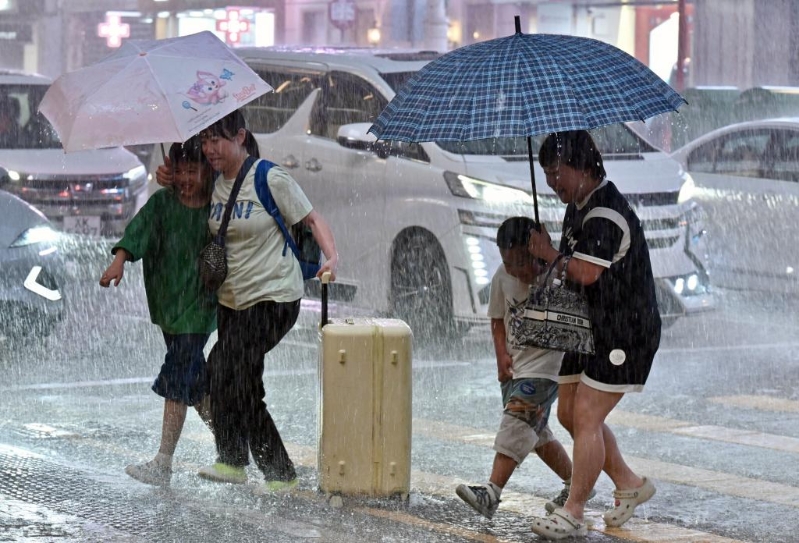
325	281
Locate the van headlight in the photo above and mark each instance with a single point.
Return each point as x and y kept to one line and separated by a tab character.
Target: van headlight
687	189
469	187
691	284
10	177
136	176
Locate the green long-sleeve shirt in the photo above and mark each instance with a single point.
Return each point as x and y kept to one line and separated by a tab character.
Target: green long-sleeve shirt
168	237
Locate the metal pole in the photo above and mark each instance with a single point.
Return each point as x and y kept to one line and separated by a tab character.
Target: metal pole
682	37
532	176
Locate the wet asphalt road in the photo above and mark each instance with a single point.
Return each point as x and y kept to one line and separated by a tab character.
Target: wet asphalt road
716	428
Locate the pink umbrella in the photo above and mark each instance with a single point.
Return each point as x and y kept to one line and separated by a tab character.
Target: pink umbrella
150	91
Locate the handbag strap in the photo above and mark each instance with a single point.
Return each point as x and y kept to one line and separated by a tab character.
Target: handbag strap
552	267
566	261
234	192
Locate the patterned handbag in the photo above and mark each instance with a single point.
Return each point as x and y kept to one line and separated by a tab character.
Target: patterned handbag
555	317
212	261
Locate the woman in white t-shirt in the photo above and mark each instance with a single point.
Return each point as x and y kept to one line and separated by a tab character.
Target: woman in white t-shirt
259	302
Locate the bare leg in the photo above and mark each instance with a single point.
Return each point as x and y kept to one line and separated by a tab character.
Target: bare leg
503	468
617	469
174	417
555	456
566	394
590	408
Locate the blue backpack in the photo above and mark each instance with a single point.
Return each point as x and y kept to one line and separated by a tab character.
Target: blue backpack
300	239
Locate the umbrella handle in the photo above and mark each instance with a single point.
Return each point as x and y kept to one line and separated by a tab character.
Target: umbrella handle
532	177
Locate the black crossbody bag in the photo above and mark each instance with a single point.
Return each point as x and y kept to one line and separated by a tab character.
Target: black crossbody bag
213	258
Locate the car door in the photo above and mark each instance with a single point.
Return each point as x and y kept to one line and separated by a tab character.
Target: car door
347	185
747	185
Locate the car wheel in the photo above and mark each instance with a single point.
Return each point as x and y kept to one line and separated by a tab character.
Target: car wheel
421	292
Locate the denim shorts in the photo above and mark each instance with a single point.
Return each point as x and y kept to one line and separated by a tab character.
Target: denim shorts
524	426
183	377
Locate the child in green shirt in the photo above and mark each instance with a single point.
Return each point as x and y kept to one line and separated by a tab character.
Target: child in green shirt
167	234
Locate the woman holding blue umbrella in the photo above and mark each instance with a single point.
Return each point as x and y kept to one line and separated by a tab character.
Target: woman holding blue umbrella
604	254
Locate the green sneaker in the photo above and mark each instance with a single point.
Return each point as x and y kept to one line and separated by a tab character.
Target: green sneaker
224	473
275	487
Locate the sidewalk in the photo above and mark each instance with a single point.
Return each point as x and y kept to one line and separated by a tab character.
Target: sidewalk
50	499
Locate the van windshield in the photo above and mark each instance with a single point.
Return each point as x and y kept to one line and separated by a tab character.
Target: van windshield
21	125
617	139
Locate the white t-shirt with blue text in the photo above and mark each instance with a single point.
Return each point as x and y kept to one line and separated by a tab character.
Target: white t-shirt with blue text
258	270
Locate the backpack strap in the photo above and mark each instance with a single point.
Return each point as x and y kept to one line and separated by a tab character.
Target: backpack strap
265	195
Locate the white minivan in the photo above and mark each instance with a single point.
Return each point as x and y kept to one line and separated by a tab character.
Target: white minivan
416	224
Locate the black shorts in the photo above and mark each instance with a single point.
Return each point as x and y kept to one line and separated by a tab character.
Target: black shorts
183	376
612	370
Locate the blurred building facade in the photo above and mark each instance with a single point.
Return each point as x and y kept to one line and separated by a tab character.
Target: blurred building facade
734	42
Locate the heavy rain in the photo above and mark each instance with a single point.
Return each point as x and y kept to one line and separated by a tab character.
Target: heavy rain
396	402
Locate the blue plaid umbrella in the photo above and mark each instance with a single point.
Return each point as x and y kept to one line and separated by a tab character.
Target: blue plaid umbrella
524	85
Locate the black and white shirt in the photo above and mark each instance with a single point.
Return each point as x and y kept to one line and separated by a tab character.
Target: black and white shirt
604	230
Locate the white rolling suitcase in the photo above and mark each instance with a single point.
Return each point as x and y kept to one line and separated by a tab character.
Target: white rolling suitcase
365	406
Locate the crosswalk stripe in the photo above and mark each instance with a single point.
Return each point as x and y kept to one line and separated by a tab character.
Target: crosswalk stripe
764	403
716	481
716	433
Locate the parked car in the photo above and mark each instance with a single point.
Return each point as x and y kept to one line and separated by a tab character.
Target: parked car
32	272
712	107
415	224
88	192
747	180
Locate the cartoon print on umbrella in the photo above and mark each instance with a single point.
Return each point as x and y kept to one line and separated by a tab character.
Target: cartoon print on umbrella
207	90
150	91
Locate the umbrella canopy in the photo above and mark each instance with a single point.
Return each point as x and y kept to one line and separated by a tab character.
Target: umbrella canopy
524	85
150	91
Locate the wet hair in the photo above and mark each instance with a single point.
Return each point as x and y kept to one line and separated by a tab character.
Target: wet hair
514	232
228	126
190	150
574	148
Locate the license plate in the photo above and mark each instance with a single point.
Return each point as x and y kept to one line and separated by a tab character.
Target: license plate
87	225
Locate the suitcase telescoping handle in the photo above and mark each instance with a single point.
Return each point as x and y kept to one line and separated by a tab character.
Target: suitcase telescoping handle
325	281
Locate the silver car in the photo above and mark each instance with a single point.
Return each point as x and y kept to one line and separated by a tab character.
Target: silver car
32	271
87	192
747	180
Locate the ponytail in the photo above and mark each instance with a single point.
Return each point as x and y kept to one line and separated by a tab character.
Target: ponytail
251	145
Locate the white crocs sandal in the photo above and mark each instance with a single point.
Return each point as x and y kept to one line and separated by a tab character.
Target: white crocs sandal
559	525
627	501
